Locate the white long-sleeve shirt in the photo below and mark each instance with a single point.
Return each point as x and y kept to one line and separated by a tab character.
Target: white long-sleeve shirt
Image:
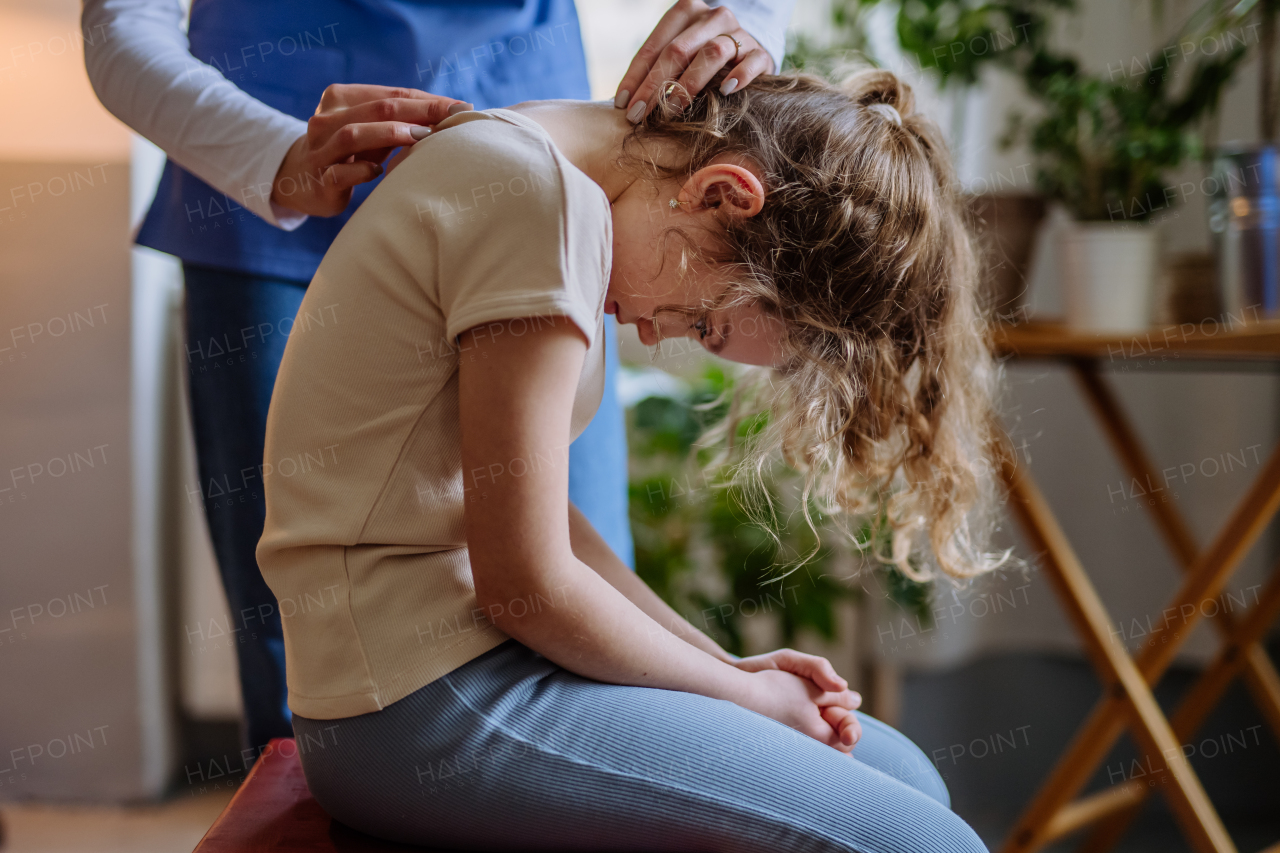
142	70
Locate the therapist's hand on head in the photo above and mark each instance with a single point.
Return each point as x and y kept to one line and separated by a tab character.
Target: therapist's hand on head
689	46
353	131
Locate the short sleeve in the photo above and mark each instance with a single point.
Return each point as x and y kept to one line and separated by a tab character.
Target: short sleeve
519	231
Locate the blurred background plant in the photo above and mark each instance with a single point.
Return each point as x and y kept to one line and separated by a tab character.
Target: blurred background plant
682	519
1106	145
1103	143
954	40
847	41
1237	23
949	41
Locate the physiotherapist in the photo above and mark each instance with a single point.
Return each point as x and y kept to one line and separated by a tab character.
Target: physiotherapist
276	118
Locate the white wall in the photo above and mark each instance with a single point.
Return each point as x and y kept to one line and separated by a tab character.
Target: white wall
85	705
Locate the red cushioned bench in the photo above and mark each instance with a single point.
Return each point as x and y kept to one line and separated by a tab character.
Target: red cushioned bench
273	812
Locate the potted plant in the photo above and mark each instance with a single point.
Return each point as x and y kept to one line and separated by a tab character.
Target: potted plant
1104	147
1100	157
1104	150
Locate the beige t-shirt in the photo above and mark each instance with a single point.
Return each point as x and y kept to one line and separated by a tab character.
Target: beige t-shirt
364	547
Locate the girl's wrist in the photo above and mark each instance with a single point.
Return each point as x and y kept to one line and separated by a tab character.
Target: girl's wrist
698	639
737	686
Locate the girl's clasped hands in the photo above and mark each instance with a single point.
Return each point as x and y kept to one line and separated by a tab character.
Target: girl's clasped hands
804	692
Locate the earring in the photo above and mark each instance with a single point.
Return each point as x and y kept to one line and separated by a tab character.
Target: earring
673	204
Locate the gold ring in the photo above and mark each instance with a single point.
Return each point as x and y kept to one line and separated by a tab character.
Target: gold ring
737	45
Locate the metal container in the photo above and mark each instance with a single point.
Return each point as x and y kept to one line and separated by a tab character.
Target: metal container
1244	216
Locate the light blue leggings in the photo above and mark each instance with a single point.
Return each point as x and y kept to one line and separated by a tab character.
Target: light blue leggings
511	752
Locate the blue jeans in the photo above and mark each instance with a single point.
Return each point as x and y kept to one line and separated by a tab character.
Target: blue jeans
512	752
236	328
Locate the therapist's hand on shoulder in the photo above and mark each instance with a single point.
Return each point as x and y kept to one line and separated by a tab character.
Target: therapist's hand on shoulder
353	131
689	46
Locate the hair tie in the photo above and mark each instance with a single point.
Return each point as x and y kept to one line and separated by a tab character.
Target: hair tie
887	111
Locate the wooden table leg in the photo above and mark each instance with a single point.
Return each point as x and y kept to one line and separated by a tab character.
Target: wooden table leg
1128	448
1205	580
1243	654
1260	674
1116	811
1130	696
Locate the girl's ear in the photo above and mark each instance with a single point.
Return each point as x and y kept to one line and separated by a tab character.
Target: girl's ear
726	187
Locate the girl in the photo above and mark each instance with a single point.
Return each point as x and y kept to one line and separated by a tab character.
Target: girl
469	665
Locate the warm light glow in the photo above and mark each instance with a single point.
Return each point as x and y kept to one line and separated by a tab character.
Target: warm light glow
48	111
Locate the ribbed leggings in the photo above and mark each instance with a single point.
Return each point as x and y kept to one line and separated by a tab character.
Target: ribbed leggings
511	752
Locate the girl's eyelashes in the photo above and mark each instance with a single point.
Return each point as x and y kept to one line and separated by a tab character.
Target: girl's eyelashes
704	328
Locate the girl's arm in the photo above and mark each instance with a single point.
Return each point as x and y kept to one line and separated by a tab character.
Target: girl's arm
589	547
141	67
515	399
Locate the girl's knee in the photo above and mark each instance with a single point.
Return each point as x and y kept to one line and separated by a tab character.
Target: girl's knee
932	829
909	824
894	754
961	836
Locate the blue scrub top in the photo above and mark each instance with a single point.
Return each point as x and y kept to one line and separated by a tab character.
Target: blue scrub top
490	53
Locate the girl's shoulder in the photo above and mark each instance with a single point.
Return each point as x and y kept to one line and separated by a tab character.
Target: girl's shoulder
491	220
500	166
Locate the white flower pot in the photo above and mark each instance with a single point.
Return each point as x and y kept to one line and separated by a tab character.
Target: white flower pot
1108	275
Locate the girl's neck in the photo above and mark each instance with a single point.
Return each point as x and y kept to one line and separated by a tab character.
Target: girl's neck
590	134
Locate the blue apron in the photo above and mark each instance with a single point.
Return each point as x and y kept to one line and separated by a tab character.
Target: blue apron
491	53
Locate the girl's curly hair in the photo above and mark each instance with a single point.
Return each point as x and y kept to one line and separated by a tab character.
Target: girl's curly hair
884	400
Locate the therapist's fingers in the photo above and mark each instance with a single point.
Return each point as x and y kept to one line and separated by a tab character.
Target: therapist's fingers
344	176
324	190
674	22
668	50
754	62
713	56
339	95
715	49
412	110
367	139
408	111
355	124
690	35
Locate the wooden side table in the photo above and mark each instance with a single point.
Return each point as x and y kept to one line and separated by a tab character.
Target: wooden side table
1127	701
